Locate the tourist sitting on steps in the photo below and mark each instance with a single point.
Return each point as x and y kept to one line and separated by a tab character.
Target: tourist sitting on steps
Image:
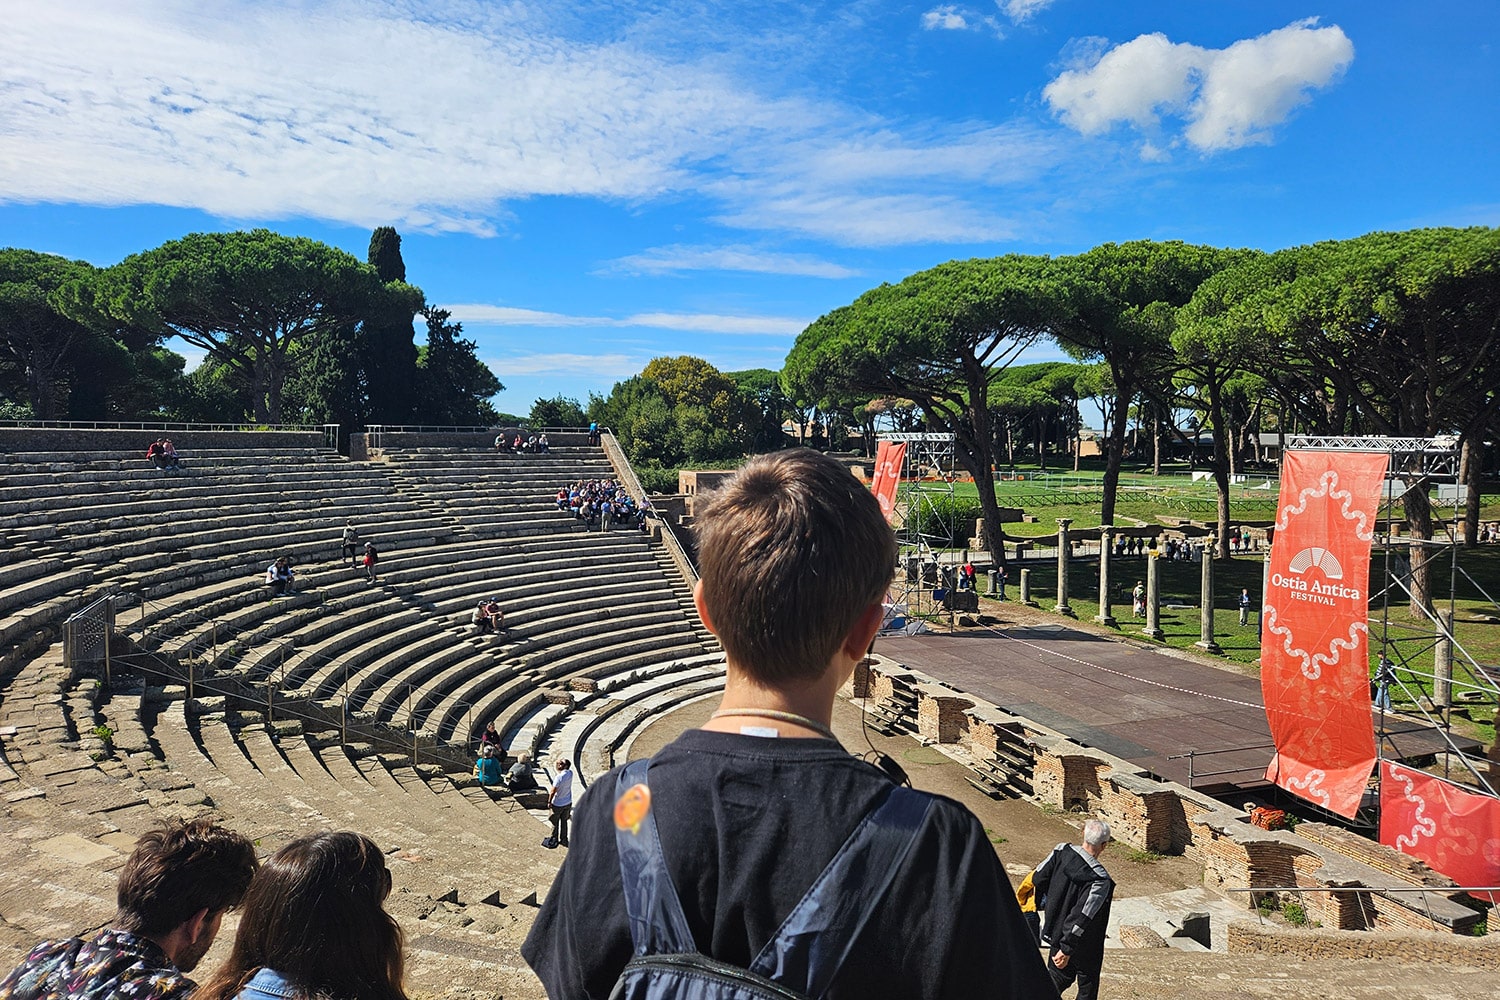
487	767
520	777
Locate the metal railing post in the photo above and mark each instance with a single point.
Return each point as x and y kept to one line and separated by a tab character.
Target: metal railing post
214	632
411	720
192	677
107	637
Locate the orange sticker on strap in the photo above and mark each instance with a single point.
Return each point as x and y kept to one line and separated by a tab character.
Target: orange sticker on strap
632	807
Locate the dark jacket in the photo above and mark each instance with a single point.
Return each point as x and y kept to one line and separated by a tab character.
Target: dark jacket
1077	891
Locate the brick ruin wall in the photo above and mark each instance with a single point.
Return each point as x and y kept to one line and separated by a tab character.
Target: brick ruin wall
1168	818
1246	938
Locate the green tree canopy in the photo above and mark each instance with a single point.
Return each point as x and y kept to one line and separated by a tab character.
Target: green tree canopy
38	343
247	298
761	387
70	362
679	411
387	350
1403	330
455	386
1119	308
559	411
940	338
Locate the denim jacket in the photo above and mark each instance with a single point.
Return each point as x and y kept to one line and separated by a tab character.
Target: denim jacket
267	984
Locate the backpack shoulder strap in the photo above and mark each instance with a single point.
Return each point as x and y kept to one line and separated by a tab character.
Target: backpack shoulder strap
657	923
817	936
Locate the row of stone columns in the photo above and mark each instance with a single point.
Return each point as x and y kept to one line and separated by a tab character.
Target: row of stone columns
1153	586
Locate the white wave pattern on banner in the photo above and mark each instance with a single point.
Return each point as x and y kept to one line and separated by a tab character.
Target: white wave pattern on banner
1422	824
1363	530
1311	784
1313	663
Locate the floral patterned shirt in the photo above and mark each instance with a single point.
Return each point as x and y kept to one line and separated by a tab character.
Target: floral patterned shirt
113	964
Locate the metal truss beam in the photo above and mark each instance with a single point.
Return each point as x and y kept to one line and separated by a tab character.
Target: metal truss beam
1433	457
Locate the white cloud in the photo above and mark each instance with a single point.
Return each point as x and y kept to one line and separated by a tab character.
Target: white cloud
944	18
478	313
1257	82
949	17
1228	97
481	314
561	364
858	189
433	115
678	258
1020	10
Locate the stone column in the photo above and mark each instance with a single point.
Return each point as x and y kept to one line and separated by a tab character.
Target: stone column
1206	611
1442	664
1153	596
1104	617
1064	548
1026	589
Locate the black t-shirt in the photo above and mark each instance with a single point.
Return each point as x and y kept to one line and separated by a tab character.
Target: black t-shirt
746	824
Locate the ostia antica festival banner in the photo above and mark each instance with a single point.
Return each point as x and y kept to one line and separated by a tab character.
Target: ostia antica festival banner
889	457
1455	831
1315	641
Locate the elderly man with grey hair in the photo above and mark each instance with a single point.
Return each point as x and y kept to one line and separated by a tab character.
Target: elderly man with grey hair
1077	893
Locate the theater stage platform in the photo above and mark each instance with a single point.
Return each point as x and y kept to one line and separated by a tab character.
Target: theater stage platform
1127	700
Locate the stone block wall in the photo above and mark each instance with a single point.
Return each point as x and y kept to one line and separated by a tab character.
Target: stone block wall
940	715
133	443
1168	818
1247	938
408	440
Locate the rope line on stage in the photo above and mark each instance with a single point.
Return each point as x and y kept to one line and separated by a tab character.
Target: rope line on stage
1121	673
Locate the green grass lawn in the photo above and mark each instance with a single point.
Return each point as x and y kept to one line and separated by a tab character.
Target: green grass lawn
1477	622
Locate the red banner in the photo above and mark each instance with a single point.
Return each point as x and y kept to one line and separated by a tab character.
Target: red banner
1455	832
1314	663
889	457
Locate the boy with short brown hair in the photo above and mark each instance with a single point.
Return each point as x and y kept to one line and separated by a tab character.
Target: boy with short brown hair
795	558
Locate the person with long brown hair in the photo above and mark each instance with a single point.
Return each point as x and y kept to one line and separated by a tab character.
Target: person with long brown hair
314	927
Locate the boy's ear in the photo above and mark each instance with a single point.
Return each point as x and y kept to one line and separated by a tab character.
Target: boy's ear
862	636
702	611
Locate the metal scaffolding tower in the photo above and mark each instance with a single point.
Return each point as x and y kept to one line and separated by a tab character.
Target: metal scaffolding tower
924	519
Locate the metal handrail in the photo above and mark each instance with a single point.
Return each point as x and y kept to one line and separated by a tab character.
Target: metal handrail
311	657
288	706
1362	888
1191	755
159	425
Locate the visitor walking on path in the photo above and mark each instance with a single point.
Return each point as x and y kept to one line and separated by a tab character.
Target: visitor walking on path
1076	891
560	802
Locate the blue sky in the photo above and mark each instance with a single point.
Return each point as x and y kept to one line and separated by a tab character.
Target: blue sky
589	185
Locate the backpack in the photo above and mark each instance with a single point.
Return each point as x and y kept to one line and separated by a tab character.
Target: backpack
809	948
